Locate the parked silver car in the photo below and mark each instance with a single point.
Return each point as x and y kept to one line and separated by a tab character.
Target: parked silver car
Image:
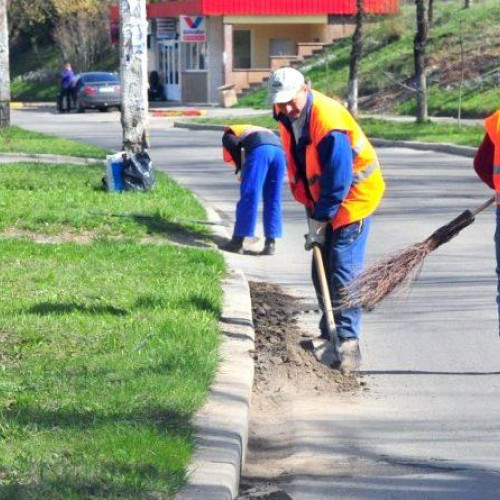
97	90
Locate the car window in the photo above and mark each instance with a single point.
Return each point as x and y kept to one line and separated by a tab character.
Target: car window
100	78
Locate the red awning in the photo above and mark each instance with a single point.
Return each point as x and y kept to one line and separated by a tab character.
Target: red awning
265	7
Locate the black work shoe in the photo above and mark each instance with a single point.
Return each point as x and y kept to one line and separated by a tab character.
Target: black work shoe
269	247
350	355
235	245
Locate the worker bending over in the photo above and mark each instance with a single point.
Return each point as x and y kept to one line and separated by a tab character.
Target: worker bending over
260	162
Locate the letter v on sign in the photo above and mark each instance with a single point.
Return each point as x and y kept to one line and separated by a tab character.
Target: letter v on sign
193	23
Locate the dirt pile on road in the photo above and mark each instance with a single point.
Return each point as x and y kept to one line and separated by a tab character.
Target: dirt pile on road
282	364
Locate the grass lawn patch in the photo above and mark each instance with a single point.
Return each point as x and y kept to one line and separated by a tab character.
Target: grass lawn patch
107	351
386	129
17	140
67	200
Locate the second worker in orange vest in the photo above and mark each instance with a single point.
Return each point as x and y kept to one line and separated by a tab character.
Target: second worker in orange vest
334	171
487	166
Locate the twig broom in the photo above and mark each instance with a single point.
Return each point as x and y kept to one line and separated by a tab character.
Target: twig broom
393	271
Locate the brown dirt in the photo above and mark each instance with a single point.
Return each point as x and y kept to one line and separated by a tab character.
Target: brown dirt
285	372
282	364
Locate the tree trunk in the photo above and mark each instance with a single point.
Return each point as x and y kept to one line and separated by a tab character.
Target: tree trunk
356	53
4	67
419	45
467	4
134	75
430	14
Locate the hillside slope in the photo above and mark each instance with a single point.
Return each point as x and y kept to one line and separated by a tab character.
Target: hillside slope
387	67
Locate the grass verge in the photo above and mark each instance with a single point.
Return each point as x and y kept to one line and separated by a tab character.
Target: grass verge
107	349
67	200
17	140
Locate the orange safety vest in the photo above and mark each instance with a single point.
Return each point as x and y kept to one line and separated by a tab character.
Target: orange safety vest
492	125
240	131
368	185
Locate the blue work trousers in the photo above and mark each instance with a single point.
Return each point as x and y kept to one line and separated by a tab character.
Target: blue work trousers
263	172
343	258
497	246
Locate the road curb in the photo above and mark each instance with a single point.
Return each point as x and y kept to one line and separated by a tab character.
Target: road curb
451	149
381	143
47	158
222	423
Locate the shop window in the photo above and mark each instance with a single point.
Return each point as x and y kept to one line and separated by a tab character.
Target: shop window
242	49
195	56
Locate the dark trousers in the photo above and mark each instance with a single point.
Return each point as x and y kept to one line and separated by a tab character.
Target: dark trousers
68	95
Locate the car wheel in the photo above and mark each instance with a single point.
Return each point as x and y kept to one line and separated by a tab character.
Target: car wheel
104	109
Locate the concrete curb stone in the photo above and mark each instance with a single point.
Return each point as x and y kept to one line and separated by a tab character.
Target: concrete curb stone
222	423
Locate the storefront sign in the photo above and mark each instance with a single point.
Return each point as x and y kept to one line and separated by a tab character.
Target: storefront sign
192	29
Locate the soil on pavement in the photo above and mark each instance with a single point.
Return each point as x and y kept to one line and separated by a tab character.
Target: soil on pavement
285	369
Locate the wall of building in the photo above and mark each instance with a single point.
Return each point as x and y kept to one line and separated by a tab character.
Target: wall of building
215	41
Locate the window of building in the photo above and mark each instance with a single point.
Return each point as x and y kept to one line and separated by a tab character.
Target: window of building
242	49
195	56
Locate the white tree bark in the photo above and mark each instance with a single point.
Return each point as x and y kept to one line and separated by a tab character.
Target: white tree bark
355	59
134	75
419	47
4	67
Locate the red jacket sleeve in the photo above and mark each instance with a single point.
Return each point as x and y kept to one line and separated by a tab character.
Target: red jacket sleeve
483	161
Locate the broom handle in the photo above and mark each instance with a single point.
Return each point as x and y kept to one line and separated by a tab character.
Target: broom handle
485	205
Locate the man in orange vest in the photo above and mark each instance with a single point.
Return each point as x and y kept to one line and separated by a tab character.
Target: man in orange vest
334	171
487	166
257	154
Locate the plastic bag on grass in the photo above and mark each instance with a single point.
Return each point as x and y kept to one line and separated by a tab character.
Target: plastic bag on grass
113	179
138	172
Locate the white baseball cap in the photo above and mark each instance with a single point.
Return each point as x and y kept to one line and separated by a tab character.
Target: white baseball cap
284	84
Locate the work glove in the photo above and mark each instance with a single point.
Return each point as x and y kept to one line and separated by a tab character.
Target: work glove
316	234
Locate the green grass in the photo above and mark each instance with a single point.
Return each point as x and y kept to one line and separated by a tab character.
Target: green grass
107	348
107	351
385	129
17	140
425	132
55	199
387	63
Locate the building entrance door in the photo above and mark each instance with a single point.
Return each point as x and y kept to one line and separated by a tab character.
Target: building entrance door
170	69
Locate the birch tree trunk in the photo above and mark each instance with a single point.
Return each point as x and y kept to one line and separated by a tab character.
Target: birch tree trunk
356	53
419	45
4	67
134	77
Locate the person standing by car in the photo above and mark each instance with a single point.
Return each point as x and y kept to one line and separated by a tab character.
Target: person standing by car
67	84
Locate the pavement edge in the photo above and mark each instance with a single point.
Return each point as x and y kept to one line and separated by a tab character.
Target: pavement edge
222	423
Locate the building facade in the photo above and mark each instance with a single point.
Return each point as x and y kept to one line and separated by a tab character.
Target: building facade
198	46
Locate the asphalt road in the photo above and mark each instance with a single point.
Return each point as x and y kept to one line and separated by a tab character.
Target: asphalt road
429	427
